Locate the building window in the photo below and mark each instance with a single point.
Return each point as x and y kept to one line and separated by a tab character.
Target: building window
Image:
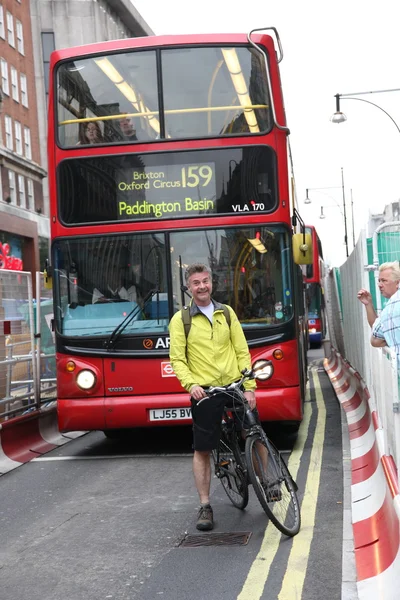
2	28
48	46
9	135
31	195
18	138
5	86
14	84
24	90
20	37
27	139
21	191
10	30
11	185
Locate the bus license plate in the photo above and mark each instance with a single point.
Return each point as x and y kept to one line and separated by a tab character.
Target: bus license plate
170	414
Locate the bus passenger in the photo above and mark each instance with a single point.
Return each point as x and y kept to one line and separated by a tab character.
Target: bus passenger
214	353
90	133
127	129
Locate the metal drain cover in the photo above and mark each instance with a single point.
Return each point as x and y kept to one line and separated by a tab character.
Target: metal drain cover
216	539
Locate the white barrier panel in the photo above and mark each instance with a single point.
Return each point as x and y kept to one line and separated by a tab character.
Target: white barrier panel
374	486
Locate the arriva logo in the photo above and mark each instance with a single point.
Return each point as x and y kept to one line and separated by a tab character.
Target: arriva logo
121	389
160	343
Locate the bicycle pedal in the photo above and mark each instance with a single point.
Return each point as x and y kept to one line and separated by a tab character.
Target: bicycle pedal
224	463
274	495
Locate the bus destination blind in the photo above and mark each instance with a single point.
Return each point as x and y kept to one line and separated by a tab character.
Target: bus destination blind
167	191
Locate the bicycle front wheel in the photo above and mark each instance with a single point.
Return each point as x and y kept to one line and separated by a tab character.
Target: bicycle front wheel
229	470
273	484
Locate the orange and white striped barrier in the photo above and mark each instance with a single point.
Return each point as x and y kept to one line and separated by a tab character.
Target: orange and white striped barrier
375	499
29	436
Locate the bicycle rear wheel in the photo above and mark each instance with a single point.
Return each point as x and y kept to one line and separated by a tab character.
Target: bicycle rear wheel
229	470
273	484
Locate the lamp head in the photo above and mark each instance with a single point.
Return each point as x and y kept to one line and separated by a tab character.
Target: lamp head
307	199
322	216
338	117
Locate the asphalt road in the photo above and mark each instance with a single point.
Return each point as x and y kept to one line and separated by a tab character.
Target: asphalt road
99	519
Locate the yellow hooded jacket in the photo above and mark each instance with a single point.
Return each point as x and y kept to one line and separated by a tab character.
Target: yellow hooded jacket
212	354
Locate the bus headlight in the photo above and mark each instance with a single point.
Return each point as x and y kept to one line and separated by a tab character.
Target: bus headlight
86	380
263	369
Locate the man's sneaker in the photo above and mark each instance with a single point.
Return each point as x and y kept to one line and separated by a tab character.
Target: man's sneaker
205	520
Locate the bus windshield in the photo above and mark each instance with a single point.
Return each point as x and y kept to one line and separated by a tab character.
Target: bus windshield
100	280
145	95
314	300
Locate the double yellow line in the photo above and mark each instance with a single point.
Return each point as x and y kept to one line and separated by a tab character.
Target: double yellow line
293	581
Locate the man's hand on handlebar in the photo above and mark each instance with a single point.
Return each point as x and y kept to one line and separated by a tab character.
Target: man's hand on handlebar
197	392
251	399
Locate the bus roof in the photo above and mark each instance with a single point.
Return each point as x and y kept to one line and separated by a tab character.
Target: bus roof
155	41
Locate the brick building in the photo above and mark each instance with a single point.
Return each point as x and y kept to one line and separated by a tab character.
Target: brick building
29	32
21	196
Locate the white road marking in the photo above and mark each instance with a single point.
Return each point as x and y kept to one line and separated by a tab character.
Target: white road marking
116	456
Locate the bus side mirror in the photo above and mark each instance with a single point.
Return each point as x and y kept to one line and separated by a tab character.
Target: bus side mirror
302	248
48	276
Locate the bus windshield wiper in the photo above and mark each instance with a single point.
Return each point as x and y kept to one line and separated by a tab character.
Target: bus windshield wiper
183	287
110	343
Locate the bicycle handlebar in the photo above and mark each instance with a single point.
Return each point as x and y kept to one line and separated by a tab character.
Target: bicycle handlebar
231	387
262	370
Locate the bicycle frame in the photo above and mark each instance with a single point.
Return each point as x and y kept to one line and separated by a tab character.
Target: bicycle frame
254	428
263	466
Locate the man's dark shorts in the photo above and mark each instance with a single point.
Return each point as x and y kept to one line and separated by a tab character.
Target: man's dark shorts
207	417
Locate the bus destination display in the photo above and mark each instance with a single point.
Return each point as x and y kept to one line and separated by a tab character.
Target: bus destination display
167	191
170	185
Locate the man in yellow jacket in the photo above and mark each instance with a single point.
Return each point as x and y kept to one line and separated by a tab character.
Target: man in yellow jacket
213	353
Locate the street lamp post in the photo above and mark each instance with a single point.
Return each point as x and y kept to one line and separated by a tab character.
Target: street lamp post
352	217
322	216
340	117
344	215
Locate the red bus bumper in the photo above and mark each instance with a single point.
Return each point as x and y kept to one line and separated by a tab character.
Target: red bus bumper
86	414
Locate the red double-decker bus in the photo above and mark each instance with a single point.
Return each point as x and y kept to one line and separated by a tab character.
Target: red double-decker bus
165	151
314	279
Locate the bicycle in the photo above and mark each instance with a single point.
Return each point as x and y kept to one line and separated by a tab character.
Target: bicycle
262	466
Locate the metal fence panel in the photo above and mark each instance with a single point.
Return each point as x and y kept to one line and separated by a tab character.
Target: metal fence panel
46	368
27	351
385	395
378	367
17	337
386	248
355	327
333	312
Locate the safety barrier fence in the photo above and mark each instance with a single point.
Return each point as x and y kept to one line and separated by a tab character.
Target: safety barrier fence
27	353
366	381
28	412
28	436
384	389
375	499
350	335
